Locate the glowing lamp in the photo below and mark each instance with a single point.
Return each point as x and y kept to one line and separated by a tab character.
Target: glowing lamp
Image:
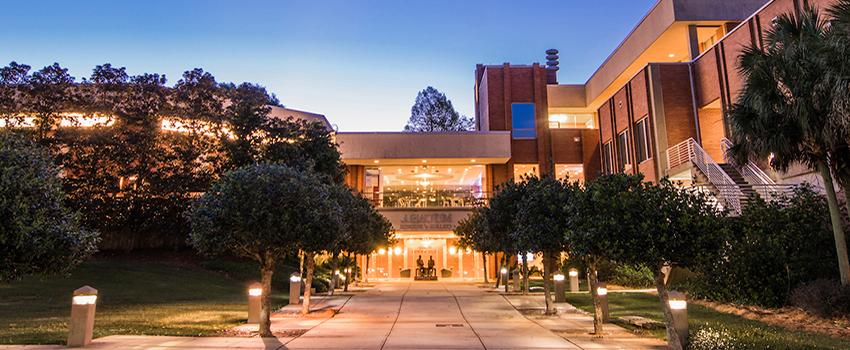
452	250
602	291
382	251
558	277
677	301
255	292
397	250
336	272
573	273
295	278
504	271
84	299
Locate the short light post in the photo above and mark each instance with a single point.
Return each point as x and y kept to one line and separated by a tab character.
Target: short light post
295	289
516	279
679	306
559	288
81	328
602	293
255	296
573	280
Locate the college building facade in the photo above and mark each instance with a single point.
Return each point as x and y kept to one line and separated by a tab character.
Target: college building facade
656	106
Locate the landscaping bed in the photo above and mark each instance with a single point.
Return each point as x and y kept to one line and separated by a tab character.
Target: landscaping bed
729	327
158	294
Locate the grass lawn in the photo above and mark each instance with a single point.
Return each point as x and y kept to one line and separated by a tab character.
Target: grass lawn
135	297
763	335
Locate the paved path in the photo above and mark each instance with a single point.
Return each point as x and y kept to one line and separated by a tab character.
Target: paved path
421	315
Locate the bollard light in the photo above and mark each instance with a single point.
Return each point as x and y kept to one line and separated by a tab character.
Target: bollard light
81	327
560	297
679	308
255	294
602	293
573	280
295	288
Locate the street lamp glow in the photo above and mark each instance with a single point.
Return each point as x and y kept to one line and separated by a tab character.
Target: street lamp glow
678	304
573	273
558	277
255	292
504	271
84	299
602	291
336	272
382	251
397	250
452	250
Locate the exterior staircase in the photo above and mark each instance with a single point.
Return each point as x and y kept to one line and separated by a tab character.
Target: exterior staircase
733	186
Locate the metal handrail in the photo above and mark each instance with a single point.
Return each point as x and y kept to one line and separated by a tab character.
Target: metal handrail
433	199
728	191
768	189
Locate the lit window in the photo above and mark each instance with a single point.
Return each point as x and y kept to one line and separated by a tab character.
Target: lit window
607	161
522	171
523	121
642	140
571	121
623	150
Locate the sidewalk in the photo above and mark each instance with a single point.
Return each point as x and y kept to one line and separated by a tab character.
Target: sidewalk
411	315
576	326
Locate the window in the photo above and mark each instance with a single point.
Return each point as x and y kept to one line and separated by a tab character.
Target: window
523	121
607	162
522	171
571	121
622	150
642	140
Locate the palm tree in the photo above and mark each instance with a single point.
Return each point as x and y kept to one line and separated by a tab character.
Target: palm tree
784	112
838	77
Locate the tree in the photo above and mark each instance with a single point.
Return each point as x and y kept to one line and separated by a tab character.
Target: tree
14	78
598	213
38	234
474	232
783	113
541	223
433	112
49	93
664	226
501	219
264	213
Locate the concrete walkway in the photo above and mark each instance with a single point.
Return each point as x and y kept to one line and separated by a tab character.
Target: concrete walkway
420	315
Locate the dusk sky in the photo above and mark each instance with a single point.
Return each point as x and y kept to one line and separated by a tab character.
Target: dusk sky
359	62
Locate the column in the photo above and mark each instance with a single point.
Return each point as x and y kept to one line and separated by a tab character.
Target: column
445	254
477	264
390	262
406	264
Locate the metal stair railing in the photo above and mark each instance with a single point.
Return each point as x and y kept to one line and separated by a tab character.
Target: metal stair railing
728	192
768	189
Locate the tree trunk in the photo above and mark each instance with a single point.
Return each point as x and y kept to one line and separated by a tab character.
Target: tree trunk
672	336
334	276
547	290
507	275
309	259
347	273
366	271
525	273
484	260
597	307
266	272
837	225
498	271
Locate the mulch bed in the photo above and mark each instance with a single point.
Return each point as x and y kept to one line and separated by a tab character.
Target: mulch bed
787	317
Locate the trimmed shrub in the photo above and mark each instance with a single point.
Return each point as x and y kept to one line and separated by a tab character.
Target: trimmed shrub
827	298
769	250
633	276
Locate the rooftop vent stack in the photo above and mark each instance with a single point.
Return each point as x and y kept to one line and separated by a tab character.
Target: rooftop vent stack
552	66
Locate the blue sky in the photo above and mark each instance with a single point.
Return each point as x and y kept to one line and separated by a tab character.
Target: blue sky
360	62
